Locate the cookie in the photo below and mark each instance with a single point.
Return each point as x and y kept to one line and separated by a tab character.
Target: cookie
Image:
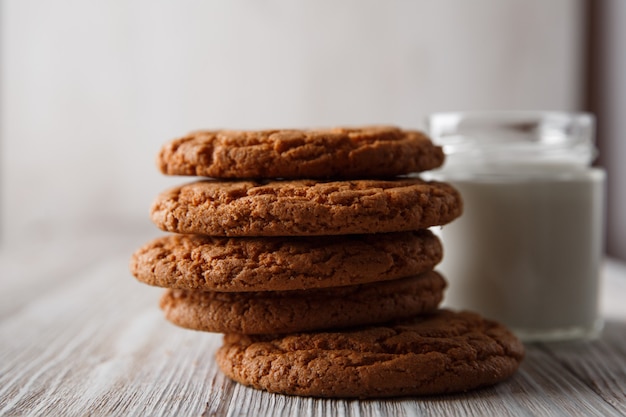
444	352
283	263
305	207
294	311
333	153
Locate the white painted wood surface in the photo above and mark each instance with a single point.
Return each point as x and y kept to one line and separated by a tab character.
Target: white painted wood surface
79	336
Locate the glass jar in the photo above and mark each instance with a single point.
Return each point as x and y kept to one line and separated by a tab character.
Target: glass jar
527	249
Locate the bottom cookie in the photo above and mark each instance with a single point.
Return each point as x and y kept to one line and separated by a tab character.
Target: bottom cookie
444	352
267	312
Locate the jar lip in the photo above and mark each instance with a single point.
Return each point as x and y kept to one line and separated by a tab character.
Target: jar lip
446	123
579	117
480	137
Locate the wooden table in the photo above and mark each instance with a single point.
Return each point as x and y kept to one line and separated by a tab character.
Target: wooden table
79	336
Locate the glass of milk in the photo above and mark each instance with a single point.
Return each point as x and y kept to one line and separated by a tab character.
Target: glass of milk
528	247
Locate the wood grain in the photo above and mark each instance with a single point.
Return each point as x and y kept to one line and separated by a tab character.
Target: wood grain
87	339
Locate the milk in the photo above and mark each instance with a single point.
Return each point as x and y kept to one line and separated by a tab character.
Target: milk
527	252
527	249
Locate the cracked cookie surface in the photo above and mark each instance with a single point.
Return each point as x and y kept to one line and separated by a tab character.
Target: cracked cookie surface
294	311
305	207
227	264
444	352
376	151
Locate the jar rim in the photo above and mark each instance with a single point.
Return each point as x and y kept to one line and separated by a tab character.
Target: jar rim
514	136
582	116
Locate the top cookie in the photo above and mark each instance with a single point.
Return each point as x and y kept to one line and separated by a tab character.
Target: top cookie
367	152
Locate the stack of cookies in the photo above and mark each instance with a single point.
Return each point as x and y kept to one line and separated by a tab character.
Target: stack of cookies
311	251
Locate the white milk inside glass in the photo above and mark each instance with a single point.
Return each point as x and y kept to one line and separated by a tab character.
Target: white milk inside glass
527	252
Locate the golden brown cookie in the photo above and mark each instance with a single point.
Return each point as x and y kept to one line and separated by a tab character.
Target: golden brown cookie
377	151
294	311
305	207
444	352
283	263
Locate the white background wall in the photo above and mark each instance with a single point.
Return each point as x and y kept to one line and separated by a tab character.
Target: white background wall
91	89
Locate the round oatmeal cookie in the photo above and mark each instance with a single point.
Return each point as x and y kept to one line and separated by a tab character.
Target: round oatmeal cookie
375	151
444	352
235	264
294	311
305	207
